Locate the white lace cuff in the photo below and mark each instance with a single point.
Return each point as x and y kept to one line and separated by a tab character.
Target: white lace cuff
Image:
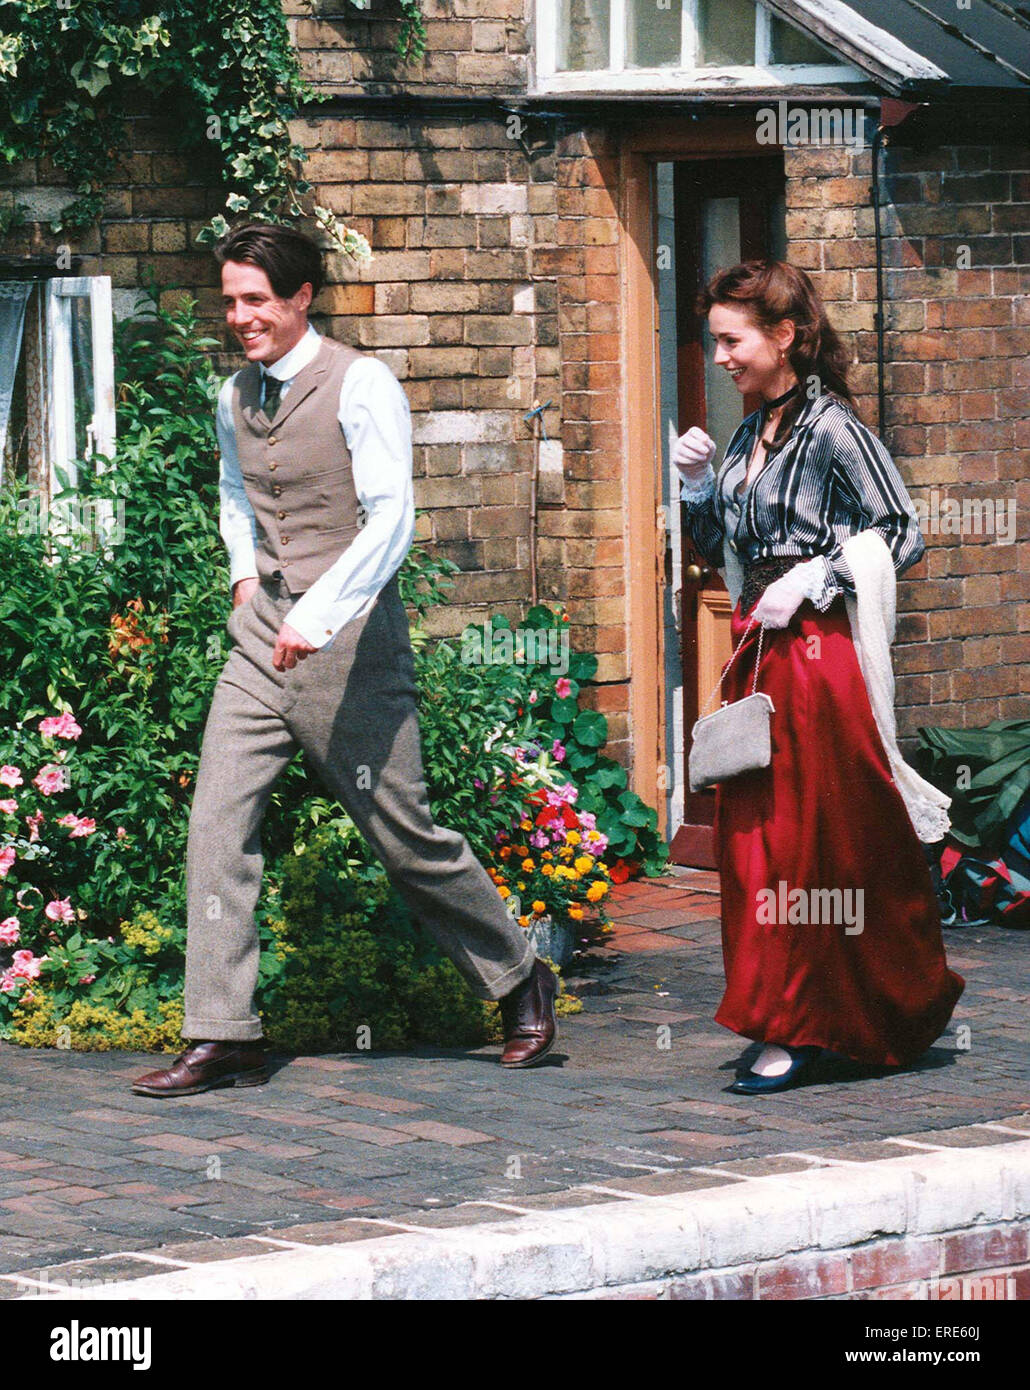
695	493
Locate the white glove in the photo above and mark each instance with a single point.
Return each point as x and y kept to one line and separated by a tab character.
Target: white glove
784	596
692	454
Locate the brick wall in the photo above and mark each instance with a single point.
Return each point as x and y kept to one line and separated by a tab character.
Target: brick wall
984	1264
471	45
496	284
957	256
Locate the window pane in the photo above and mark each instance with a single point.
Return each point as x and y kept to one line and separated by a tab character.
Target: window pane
790	45
583	35
726	32
82	369
653	33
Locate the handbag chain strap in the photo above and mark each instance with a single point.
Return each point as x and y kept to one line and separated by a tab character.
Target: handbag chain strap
725	669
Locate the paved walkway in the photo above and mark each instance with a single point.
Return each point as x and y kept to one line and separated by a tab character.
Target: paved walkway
632	1101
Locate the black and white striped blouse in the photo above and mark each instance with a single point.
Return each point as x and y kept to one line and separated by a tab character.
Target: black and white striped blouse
830	480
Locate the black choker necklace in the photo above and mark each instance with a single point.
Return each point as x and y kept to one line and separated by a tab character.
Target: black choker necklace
771	405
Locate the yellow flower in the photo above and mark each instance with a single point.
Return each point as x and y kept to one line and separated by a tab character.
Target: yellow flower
504	892
584	863
505	853
573	837
604	869
565	854
575	913
528	866
526	825
538	906
547	870
547	854
523	921
596	892
520	886
593	834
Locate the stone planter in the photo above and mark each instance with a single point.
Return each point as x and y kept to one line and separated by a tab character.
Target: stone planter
553	940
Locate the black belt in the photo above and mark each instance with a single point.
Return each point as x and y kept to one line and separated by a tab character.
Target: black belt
759	574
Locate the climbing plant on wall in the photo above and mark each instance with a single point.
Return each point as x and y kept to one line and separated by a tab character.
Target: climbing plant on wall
225	73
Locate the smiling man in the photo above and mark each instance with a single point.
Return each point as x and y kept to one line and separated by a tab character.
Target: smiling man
317	514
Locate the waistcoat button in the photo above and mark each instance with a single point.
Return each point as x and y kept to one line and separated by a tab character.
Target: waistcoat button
272	439
272	467
285	540
281	515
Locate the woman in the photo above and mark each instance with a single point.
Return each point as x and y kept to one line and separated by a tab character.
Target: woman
800	477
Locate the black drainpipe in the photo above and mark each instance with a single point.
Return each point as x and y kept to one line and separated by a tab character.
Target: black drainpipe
881	327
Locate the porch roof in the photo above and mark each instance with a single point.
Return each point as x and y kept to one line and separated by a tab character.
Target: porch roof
921	46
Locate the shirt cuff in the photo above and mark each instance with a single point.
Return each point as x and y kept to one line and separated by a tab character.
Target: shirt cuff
695	493
310	628
823	586
242	565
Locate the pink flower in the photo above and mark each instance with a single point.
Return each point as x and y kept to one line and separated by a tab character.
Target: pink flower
563	687
532	697
9	931
60	726
10	776
50	779
120	832
25	966
60	910
86	979
80	825
558	751
7	982
9	805
7	858
34	822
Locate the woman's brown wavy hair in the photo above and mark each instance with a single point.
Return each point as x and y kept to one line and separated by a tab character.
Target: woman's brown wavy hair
771	291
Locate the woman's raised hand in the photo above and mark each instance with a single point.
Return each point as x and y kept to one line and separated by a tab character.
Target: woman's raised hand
692	453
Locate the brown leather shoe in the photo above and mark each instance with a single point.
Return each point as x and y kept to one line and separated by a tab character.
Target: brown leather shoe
205	1065
527	1013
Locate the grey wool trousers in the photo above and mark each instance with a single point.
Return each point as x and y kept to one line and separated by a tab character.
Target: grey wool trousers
351	707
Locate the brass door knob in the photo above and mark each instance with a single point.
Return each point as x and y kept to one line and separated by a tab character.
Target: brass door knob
698	574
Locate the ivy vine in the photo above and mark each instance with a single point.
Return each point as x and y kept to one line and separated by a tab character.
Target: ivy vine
224	73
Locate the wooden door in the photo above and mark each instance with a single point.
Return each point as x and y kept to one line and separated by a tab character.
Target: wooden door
726	210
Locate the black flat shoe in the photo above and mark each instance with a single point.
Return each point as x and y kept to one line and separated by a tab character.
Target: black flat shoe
801	1059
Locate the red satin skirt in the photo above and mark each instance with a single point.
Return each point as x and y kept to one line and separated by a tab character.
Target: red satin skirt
862	974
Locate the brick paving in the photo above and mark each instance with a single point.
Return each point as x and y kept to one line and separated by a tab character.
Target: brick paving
631	1102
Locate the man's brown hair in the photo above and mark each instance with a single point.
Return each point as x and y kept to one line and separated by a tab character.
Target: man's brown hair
288	257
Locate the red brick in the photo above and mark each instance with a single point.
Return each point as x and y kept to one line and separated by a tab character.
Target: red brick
970	1250
893	1262
803	1276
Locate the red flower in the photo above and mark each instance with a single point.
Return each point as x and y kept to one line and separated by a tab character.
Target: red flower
620	871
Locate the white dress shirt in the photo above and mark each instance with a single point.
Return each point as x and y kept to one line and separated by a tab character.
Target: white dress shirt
375	417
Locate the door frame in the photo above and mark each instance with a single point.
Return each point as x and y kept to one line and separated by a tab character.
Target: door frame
732	134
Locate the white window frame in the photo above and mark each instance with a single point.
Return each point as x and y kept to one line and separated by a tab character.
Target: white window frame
100	432
761	75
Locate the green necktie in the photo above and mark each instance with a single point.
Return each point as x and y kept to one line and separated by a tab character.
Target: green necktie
273	393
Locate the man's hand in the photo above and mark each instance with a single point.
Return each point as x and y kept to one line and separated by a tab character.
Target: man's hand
243	591
290	647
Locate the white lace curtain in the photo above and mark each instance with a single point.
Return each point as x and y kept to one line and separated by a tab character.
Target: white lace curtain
14	296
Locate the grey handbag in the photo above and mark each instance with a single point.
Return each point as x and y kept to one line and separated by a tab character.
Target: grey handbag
736	738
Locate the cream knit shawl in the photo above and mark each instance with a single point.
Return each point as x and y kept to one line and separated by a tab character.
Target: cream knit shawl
872	615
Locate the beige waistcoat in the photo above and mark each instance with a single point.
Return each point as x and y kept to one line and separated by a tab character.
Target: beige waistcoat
297	468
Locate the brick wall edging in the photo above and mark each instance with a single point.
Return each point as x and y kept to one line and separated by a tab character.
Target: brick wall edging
589	1249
